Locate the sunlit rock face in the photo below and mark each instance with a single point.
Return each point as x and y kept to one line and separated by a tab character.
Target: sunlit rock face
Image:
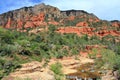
116	23
38	15
8	24
29	16
76	30
84	24
43	15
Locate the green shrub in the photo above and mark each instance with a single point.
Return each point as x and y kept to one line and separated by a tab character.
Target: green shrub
7	67
8	49
57	69
6	36
94	53
109	59
52	28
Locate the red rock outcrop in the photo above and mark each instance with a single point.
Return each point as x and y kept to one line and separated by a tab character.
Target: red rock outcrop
77	30
29	24
19	24
116	24
8	25
114	33
83	16
103	33
82	24
42	15
87	30
39	17
84	54
35	21
97	20
93	20
53	23
68	30
71	18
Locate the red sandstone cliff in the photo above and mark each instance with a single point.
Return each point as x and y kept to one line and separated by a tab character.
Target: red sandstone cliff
43	15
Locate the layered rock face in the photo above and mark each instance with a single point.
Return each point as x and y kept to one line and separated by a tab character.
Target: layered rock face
37	15
29	16
76	30
116	23
43	15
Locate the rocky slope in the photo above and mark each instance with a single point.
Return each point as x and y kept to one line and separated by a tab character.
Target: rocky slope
37	15
28	16
41	16
35	70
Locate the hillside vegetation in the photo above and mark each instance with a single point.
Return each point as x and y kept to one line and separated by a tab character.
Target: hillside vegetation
43	32
17	48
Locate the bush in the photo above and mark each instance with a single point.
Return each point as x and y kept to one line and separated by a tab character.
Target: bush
7	67
6	36
8	49
57	69
109	59
52	28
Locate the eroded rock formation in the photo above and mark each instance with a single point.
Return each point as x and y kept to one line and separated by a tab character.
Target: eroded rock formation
82	24
103	33
38	15
76	30
43	15
8	25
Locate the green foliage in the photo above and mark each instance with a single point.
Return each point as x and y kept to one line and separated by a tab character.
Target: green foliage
111	43
6	36
46	45
7	66
109	59
118	49
57	69
52	28
94	53
8	49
